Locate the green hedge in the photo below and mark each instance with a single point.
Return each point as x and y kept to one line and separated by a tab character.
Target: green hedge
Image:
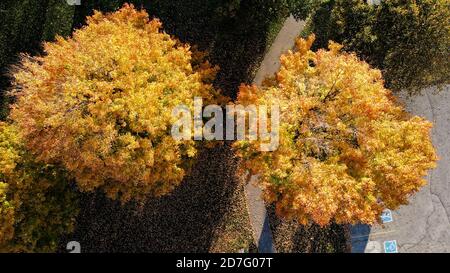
409	40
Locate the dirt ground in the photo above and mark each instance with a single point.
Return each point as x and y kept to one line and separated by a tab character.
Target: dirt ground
291	237
205	213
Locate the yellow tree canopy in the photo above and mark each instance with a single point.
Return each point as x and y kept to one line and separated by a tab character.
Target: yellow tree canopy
347	150
100	103
36	203
9	154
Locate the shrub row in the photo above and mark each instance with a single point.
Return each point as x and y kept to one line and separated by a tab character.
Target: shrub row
408	40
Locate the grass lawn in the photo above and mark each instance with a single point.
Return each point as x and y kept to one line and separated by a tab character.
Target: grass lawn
25	24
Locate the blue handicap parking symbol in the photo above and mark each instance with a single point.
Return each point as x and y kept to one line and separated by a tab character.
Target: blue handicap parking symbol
386	216
390	246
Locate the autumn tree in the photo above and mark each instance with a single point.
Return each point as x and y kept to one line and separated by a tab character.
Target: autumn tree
37	205
408	40
100	104
347	150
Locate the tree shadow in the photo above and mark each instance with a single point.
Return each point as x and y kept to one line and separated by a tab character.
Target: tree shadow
292	237
183	221
265	242
359	237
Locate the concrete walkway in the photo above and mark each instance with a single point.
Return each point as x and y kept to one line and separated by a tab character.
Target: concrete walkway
284	41
424	224
270	65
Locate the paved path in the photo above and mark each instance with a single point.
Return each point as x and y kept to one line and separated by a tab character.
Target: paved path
424	224
271	63
284	41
